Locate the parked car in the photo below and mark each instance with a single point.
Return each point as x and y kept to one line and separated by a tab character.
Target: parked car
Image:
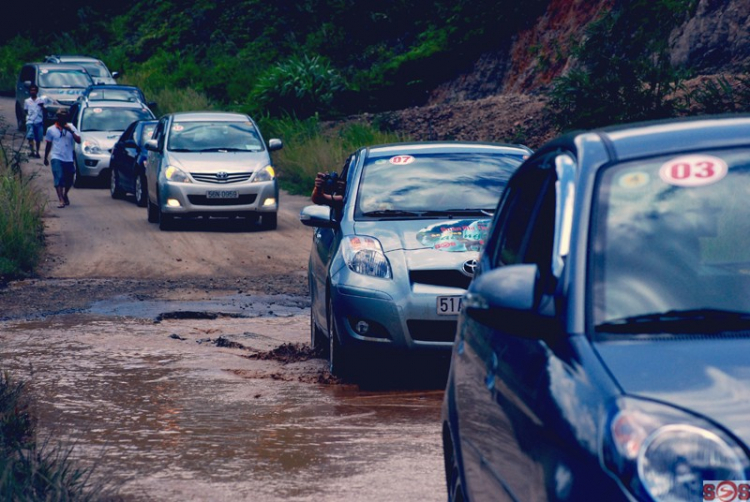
59	84
209	164
601	351
101	92
99	72
388	268
127	164
100	124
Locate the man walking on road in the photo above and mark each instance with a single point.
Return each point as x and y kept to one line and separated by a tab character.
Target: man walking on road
33	106
60	137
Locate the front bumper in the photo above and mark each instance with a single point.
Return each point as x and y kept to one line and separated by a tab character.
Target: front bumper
91	165
192	199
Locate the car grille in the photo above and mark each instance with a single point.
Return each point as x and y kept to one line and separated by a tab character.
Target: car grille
449	278
432	331
202	200
227	178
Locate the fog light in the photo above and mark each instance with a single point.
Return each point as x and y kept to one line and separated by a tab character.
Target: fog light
173	203
271	201
362	327
90	162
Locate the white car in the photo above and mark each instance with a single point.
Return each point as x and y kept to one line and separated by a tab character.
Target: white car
205	164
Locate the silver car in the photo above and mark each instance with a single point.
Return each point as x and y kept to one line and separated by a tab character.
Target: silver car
101	123
99	72
388	266
204	164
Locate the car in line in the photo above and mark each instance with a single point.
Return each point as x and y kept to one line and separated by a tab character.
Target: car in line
100	124
211	164
127	164
115	92
99	72
59	85
601	351
388	267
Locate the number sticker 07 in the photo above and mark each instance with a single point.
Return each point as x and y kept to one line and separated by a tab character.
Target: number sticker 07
693	170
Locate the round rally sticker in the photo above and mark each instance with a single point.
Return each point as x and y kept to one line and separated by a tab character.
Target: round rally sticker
401	160
693	170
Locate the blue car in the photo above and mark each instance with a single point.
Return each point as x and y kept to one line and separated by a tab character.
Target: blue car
388	266
603	348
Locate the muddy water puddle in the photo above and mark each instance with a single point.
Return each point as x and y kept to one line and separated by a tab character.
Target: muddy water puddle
162	408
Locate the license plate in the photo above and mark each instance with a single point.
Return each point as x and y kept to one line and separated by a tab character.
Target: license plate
222	194
448	305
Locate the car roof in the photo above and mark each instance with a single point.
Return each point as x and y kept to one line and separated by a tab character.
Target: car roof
115	87
112	104
73	57
216	116
435	146
57	66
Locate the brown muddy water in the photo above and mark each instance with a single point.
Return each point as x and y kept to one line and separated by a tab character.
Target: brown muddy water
163	410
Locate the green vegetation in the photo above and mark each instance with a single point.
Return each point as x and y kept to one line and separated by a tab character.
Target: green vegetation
21	209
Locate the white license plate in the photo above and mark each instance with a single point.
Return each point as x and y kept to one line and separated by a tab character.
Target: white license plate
221	194
448	305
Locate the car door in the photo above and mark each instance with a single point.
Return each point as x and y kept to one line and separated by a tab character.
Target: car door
154	158
498	374
325	242
124	155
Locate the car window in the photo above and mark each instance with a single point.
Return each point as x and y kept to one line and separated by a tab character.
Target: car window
434	182
64	78
672	233
94	68
129	95
27	74
111	119
206	136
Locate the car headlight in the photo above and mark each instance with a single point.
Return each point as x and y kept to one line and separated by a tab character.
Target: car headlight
365	256
91	147
173	173
661	453
265	174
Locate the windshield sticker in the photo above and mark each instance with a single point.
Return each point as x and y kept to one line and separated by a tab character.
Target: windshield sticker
401	160
693	170
177	127
97	110
45	71
93	94
634	180
455	236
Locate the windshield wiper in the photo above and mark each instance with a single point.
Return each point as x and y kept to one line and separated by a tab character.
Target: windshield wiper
680	321
222	150
459	212
391	212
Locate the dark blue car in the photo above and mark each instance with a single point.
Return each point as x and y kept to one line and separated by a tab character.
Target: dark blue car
128	162
603	347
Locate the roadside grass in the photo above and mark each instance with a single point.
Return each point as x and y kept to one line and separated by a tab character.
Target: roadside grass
21	210
311	147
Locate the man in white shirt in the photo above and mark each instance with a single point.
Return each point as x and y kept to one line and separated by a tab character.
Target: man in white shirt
61	137
33	107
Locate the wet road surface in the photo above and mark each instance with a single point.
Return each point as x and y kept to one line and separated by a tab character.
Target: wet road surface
159	407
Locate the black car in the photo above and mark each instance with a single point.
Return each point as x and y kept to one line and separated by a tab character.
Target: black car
128	162
602	347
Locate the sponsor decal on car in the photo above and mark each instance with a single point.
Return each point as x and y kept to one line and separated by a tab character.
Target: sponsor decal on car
455	236
693	170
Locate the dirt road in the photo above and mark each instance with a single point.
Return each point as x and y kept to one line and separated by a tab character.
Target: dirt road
177	363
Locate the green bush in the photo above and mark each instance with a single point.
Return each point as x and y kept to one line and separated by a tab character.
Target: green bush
13	55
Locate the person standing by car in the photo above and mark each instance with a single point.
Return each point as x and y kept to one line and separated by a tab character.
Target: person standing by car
33	107
60	138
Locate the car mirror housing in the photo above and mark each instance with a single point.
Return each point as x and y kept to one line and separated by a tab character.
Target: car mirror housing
275	144
152	145
115	74
317	216
506	299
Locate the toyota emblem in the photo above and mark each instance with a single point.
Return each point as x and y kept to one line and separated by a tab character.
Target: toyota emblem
469	267
222	176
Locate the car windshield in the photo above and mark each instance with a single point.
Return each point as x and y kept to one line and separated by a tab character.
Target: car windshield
111	119
417	184
130	95
211	136
671	246
64	78
95	69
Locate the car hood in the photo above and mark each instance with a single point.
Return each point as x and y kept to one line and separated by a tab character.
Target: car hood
710	377
214	162
106	139
66	95
446	236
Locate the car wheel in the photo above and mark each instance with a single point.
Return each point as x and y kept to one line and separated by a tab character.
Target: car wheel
114	185
455	489
339	357
317	339
269	221
166	221
141	190
78	180
153	211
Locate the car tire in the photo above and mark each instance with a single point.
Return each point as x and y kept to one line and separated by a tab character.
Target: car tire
153	211
269	221
166	221
141	190
114	185
317	339
340	362
78	180
455	488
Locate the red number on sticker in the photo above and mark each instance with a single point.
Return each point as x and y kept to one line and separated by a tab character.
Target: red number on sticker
680	171
706	170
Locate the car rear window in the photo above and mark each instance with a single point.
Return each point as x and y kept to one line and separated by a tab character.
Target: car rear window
672	234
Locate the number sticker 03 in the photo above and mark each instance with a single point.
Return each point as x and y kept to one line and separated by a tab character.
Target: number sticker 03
693	170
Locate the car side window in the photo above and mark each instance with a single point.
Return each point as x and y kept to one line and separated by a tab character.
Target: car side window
159	133
27	73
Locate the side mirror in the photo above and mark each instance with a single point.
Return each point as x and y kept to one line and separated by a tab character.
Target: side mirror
506	299
152	104
152	145
115	74
275	144
317	216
